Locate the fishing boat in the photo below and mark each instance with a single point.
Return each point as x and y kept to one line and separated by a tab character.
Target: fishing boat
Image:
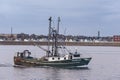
53	57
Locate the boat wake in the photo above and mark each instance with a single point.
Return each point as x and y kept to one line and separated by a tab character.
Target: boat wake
71	68
6	65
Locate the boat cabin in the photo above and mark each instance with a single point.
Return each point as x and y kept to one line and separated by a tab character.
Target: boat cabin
65	57
75	55
58	58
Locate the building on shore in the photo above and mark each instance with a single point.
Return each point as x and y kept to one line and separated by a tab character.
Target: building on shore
62	38
116	38
8	36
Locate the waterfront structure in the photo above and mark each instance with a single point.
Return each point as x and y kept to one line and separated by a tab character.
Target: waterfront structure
116	38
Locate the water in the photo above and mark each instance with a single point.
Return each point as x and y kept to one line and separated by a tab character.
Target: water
104	65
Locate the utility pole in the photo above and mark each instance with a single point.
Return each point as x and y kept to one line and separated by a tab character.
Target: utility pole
11	36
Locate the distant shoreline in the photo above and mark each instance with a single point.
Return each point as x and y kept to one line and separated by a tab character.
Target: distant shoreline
63	43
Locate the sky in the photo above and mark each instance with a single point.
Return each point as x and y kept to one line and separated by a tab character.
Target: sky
78	17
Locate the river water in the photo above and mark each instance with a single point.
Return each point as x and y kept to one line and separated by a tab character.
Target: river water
104	65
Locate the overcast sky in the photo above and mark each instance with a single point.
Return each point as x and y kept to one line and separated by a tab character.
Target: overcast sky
78	17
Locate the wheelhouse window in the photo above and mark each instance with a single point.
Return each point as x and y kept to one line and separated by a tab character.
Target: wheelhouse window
76	55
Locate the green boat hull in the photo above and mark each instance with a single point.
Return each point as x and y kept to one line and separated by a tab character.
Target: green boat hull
62	63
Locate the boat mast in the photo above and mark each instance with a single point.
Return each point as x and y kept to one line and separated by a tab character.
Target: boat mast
56	33
53	33
58	25
49	35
